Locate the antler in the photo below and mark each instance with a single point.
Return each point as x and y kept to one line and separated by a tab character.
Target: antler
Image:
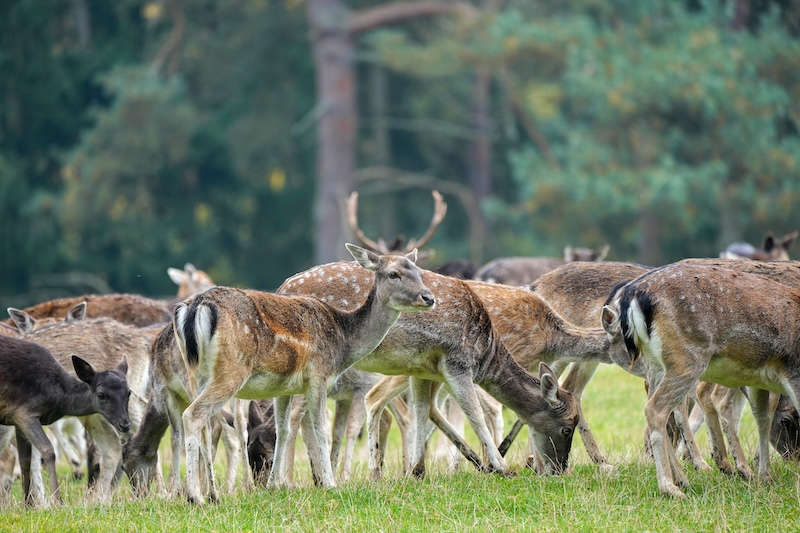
439	211
352	220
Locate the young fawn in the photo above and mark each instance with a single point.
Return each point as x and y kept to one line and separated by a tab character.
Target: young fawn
35	390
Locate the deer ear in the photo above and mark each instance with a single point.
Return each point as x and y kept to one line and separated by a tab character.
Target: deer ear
83	369
549	384
77	313
788	240
177	275
569	256
365	258
769	243
412	256
189	268
23	320
609	318
602	253
122	367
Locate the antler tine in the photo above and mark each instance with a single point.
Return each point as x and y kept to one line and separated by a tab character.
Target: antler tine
439	211
352	220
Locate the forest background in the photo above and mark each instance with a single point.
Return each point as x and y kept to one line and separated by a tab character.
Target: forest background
137	135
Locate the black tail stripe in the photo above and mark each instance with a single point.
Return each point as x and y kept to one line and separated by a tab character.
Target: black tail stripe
189	334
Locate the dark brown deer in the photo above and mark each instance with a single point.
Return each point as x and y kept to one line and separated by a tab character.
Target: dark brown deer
35	390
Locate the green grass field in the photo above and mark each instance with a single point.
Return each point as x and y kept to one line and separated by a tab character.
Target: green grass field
585	499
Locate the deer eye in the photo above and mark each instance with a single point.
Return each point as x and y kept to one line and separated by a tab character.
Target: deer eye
566	431
102	396
394	275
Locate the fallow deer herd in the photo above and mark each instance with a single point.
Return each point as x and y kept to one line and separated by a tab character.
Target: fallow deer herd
253	368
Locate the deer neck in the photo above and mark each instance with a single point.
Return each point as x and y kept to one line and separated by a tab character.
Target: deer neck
513	386
77	400
365	328
573	343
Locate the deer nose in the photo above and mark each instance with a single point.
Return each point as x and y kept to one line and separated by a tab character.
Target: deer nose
427	299
125	426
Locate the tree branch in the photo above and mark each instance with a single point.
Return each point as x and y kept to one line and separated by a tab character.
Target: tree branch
169	53
396	12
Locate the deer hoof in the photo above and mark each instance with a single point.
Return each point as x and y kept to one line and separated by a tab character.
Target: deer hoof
672	491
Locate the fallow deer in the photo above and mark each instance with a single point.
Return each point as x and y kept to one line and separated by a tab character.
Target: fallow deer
772	250
36	390
105	343
691	322
255	345
522	271
457	344
127	308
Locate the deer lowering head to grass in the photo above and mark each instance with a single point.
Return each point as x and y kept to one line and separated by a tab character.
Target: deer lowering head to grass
522	271
691	322
254	345
35	390
455	343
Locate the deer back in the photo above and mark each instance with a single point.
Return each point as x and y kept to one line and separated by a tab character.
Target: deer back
126	308
517	271
743	316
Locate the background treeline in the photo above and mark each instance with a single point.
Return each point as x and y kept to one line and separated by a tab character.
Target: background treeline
138	135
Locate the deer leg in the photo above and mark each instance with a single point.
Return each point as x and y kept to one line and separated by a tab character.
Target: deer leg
421	405
462	387
196	419
729	404
682	421
493	413
376	400
670	392
30	433
231	439
281	411
456	418
340	418
66	448
174	413
401	414
109	450
316	396
240	408
718	450
297	412
759	403
355	422
576	380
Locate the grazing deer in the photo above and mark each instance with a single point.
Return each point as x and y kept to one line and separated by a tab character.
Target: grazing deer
691	322
522	271
772	250
255	345
36	390
457	344
106	343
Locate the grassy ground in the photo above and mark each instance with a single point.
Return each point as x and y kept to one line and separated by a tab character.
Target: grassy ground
584	499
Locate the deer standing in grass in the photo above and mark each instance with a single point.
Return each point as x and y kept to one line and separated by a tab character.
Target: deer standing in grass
36	390
255	345
691	322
